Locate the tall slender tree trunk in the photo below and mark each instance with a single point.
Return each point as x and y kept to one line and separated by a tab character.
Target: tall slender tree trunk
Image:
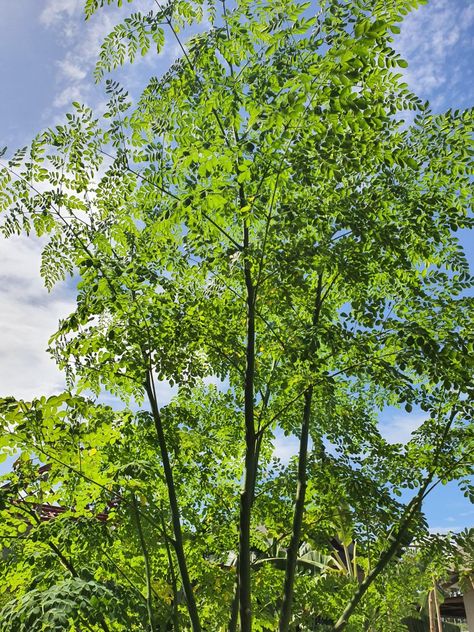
247	494
146	559
173	578
244	545
174	507
439	622
292	553
431	613
234	613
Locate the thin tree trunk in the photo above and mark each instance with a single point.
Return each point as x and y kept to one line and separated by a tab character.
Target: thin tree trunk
244	543
173	578
247	494
234	613
146	559
431	612
412	509
292	552
175	517
439	623
385	558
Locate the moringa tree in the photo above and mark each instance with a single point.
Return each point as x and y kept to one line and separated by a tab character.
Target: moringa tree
276	212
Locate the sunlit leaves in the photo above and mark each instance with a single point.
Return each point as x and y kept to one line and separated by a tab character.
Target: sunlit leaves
274	144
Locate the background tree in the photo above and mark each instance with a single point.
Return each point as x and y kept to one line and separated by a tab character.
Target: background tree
263	216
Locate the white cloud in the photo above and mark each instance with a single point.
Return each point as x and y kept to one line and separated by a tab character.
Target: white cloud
399	427
434	39
81	41
75	92
71	70
28	316
56	11
445	530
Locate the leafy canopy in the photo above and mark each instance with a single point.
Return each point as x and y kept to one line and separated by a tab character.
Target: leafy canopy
275	214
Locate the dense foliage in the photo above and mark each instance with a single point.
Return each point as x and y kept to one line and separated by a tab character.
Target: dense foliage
270	229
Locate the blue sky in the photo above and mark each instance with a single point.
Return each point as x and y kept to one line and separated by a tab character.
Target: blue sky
47	54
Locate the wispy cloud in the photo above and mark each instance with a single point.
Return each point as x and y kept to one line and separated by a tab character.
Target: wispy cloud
464	514
437	41
56	12
399	427
445	530
71	70
29	315
81	42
